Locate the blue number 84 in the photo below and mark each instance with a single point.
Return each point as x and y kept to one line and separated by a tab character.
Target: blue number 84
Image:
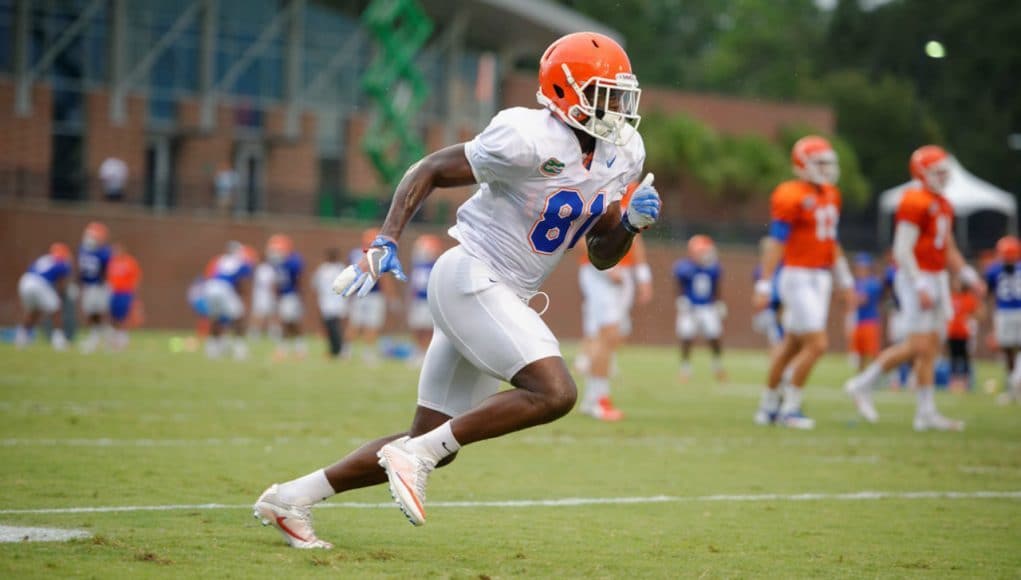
563	208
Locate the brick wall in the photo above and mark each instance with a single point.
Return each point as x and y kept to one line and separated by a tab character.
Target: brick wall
104	138
200	153
292	165
173	250
26	148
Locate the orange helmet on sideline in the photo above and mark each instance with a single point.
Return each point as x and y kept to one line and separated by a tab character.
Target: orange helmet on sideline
702	249
278	247
815	161
427	248
930	165
60	251
95	235
585	78
1008	249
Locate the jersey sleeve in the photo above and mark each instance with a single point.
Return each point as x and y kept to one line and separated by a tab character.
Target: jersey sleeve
991	273
501	152
784	205
912	209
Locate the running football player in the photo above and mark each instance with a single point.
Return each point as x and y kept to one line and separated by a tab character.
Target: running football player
547	179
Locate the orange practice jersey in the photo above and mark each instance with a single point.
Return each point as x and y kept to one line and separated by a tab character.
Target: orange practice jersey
934	217
965	306
813	213
123	274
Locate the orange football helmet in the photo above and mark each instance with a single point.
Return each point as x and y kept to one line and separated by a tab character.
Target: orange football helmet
278	247
585	78
702	249
427	248
930	165
60	251
1008	249
815	161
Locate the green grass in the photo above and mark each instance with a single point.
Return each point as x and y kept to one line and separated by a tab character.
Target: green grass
183	430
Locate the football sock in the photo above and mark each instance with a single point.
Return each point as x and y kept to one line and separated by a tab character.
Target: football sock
770	400
435	445
595	389
870	375
791	400
307	489
926	400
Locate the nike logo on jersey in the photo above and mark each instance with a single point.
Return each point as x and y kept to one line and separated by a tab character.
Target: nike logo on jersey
609	162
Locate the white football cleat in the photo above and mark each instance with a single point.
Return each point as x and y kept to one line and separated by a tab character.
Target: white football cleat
407	474
292	521
936	422
862	397
796	420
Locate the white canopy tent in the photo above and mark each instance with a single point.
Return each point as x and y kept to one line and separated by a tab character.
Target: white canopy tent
966	192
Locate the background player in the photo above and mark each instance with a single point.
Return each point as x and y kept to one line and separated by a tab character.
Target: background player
332	308
222	294
424	253
603	306
40	290
264	302
803	234
368	314
1004	280
967	311
546	179
287	267
866	333
700	310
124	276
924	248
93	259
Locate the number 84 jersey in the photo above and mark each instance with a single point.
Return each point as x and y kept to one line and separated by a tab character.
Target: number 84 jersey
536	197
812	212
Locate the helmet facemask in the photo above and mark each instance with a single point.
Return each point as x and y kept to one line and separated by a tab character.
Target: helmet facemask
821	169
607	109
936	177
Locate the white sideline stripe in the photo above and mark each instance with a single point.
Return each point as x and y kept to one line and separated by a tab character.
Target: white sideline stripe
564	502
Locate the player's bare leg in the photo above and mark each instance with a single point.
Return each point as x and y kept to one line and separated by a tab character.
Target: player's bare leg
813	346
1012	389
597	402
21	339
927	348
860	386
716	347
782	355
685	374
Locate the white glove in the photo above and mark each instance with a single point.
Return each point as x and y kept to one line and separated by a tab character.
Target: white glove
379	258
643	211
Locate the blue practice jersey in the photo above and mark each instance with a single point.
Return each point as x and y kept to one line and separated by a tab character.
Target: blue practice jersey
356	256
50	268
233	269
92	264
288	274
870	290
419	279
1004	285
697	283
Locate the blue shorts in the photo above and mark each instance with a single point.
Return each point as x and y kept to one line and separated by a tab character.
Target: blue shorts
120	306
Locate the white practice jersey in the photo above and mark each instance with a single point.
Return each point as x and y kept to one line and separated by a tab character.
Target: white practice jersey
330	303
536	199
264	281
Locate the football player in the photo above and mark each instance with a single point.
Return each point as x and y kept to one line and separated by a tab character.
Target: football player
548	178
803	234
222	294
424	253
125	276
264	302
924	248
93	259
1004	280
700	310
287	267
865	334
368	315
332	308
40	290
603	307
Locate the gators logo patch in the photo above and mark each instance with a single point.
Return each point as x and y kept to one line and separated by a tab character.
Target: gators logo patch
552	167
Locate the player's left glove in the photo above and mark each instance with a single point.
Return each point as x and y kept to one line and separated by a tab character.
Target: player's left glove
379	258
643	211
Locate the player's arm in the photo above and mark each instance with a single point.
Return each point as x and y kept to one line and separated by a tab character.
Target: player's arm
845	279
611	237
960	266
447	167
772	254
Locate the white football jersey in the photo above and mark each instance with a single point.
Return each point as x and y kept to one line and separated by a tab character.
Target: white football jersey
536	199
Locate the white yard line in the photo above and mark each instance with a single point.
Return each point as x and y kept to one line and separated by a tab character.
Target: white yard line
17	534
565	502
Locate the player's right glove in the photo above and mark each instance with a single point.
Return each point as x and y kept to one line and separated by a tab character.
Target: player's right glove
379	258
643	211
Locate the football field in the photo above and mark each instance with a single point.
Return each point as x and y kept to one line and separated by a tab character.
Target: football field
157	457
